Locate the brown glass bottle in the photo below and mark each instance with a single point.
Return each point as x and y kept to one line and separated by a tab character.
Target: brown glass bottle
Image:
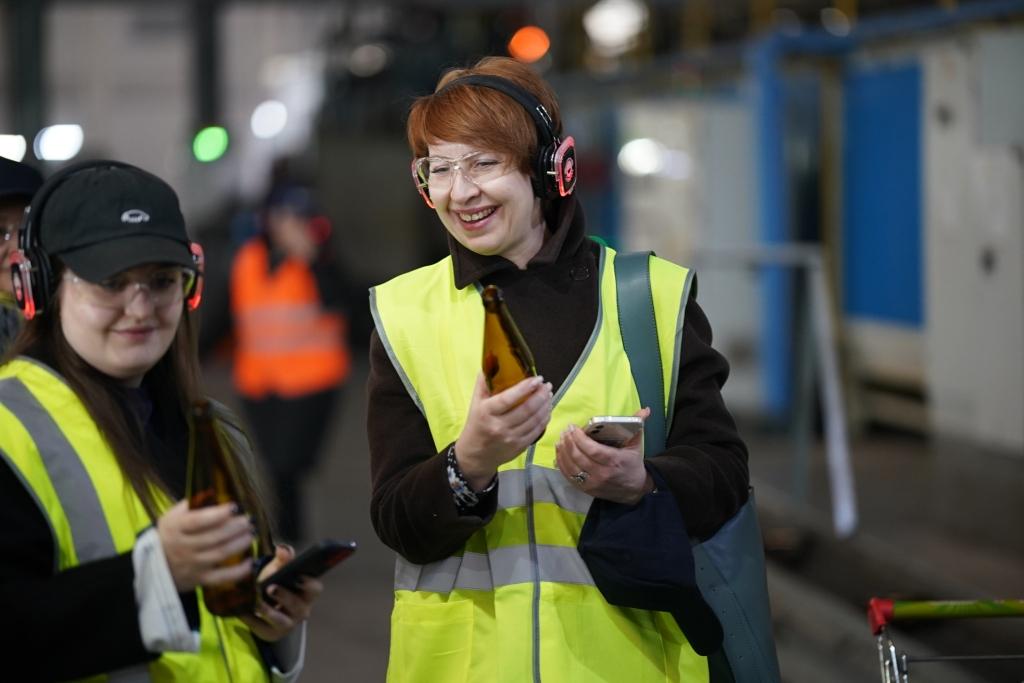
507	358
213	479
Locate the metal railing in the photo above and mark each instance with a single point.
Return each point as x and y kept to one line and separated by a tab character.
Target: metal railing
816	343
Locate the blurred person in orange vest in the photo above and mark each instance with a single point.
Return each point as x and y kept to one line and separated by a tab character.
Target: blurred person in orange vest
291	352
18	182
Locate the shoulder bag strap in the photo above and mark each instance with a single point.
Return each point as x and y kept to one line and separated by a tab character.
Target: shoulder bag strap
730	565
640	340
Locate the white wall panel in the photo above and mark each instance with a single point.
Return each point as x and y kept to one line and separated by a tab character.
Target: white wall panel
974	216
122	73
125	73
714	206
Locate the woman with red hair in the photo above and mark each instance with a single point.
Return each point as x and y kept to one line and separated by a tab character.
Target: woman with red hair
483	496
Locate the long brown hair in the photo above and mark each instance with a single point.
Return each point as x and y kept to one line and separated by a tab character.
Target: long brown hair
176	375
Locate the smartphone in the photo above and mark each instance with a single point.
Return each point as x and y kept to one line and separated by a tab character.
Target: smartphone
313	561
613	430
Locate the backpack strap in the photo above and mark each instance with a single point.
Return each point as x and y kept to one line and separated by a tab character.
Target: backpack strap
640	339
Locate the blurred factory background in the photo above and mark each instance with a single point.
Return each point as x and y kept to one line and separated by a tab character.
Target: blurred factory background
847	177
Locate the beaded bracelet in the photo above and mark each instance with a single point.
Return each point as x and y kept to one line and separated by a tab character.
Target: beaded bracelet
465	496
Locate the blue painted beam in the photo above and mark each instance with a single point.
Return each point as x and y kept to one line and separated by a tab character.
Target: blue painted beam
773	197
898	24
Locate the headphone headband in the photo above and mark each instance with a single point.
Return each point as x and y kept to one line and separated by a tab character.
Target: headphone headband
539	114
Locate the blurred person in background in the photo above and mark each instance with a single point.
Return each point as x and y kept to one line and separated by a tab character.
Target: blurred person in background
291	354
100	556
483	496
18	182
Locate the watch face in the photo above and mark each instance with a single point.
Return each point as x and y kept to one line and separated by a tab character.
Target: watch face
454	481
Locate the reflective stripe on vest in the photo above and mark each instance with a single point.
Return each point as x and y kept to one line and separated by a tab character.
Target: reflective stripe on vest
54	447
502	567
287	344
517	602
90	538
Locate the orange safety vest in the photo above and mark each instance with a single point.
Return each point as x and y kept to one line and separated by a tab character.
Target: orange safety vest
286	343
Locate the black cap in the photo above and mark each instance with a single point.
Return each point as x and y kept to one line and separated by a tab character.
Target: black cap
640	556
18	180
103	219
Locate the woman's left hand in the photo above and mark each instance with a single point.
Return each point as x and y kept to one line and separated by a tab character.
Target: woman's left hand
615	474
272	622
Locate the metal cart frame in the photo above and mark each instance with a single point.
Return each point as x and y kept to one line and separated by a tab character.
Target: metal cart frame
895	664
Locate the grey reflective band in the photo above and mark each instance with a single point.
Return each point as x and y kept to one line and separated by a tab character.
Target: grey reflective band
581	361
501	567
531	492
678	353
382	333
549	486
315	341
555	564
281	313
470	571
89	531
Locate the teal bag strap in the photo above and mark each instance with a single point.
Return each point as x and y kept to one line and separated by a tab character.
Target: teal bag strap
640	339
730	568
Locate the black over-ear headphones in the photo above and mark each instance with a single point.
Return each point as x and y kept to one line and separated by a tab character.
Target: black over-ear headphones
554	173
31	270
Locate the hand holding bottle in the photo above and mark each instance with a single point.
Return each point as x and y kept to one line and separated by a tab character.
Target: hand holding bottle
507	358
501	426
198	542
214	479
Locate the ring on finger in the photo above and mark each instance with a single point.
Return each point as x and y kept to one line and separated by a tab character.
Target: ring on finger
581	477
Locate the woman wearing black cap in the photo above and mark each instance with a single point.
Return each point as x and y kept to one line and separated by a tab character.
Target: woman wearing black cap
98	566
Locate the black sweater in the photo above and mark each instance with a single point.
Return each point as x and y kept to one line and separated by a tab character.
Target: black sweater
554	298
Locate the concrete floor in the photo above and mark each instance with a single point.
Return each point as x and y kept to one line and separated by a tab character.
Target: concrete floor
937	521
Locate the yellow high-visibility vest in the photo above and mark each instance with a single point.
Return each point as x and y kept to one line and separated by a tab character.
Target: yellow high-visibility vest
517	603
48	437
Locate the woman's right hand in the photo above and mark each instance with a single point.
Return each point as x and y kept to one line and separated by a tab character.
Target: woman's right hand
501	426
196	541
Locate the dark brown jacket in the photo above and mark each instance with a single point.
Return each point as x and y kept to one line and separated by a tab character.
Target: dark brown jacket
554	302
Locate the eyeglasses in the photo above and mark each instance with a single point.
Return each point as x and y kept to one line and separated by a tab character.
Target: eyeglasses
165	286
439	172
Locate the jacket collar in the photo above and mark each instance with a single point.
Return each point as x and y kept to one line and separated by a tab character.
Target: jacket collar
564	241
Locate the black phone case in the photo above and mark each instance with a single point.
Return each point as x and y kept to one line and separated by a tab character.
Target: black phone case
313	561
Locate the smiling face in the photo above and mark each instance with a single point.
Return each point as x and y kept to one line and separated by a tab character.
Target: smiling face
122	342
499	217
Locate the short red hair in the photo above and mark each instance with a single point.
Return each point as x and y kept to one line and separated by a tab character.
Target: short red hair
483	117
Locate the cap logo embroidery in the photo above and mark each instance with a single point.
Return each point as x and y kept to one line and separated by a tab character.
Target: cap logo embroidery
134	216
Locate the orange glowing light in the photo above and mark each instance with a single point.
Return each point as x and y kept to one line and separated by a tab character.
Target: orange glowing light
529	44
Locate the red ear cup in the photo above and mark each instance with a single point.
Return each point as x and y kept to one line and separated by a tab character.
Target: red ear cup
320	229
195	296
21	279
564	163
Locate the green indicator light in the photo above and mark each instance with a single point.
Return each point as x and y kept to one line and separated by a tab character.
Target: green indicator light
210	144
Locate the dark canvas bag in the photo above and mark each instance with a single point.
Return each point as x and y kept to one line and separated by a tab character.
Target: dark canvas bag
729	567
